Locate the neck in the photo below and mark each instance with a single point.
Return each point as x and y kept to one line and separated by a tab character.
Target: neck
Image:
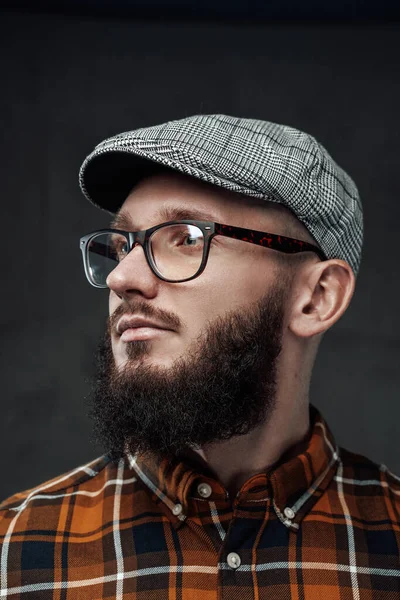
234	461
284	434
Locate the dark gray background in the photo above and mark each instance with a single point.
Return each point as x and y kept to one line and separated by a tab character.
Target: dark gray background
67	83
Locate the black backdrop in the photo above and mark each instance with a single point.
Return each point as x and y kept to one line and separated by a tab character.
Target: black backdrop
69	81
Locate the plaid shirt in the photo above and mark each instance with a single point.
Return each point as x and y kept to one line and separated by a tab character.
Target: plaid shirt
324	524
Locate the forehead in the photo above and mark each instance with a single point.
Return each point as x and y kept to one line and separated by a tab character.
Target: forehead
172	196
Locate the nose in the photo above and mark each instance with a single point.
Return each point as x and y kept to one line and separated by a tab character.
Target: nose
133	275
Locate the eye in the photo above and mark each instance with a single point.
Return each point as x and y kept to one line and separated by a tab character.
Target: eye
122	251
119	248
191	241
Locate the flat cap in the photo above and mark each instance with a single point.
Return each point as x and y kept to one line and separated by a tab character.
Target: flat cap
257	158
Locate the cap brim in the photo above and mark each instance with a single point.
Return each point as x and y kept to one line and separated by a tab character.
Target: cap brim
107	179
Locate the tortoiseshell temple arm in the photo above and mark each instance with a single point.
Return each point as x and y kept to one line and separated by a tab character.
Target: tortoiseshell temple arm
268	240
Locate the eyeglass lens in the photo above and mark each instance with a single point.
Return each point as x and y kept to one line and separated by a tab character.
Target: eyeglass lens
176	250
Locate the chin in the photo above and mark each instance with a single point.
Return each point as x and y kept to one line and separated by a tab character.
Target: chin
122	359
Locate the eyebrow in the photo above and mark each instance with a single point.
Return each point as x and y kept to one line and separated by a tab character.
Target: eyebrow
167	213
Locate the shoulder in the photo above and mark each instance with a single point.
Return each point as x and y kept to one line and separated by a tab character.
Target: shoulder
368	484
365	469
51	493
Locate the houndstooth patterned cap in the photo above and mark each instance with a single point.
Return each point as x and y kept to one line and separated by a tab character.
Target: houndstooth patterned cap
257	158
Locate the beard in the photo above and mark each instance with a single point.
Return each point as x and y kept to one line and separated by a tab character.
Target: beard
224	386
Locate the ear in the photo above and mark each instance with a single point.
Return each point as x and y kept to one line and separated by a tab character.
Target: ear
322	294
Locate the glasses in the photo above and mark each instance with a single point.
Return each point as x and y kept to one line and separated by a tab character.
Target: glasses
176	251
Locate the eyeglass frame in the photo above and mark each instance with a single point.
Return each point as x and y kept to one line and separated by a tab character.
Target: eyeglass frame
209	229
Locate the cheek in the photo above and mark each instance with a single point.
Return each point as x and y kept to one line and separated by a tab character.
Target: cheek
243	279
217	293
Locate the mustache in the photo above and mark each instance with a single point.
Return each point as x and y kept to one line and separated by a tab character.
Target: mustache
134	308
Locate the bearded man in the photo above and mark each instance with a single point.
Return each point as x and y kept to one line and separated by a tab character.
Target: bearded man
235	245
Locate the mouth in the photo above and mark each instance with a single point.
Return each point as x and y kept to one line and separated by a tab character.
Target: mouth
138	327
133	334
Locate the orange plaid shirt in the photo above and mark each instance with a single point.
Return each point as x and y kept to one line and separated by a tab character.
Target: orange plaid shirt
324	524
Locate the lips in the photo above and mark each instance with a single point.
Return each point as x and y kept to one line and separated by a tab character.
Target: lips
142	333
136	323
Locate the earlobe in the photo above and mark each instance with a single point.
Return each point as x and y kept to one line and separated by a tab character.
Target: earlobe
323	295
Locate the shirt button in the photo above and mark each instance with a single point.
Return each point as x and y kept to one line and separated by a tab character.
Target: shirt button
234	560
289	513
177	509
204	490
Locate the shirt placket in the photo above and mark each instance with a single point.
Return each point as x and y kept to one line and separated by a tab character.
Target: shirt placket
234	531
238	556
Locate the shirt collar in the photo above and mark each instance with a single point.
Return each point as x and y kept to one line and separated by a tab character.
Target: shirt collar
295	484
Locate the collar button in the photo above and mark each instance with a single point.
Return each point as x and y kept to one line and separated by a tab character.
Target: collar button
177	509
204	490
289	513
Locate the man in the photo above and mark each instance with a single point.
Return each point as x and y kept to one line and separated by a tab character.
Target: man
235	246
